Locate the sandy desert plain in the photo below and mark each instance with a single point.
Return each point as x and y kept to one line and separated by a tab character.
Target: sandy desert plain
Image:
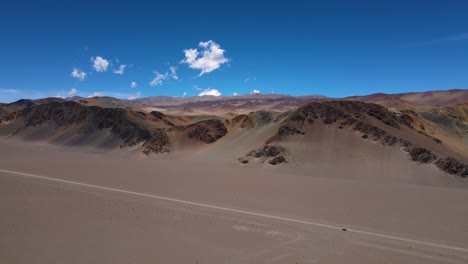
248	179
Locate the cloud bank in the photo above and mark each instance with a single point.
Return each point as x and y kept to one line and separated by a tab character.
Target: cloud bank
212	92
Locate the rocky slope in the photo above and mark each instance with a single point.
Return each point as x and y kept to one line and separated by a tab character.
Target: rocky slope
371	121
126	127
419	131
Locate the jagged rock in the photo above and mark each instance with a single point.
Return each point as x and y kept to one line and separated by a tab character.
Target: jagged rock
405	119
422	155
88	119
284	131
277	160
453	166
406	144
268	151
389	140
289	130
207	131
159	143
369	129
263	117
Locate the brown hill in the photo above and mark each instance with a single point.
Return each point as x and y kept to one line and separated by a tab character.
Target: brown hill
430	98
371	121
298	136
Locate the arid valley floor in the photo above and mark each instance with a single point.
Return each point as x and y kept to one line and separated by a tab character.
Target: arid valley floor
376	179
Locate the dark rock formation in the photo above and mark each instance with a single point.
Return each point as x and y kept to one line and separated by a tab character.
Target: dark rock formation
421	155
207	131
453	166
263	117
158	143
277	160
267	151
158	116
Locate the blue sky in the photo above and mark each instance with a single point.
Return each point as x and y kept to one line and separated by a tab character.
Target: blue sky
333	48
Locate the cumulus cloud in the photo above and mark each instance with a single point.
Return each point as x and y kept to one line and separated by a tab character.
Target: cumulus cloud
235	94
133	97
134	84
185	93
210	58
173	73
159	78
72	92
80	75
120	70
100	64
255	91
95	94
212	92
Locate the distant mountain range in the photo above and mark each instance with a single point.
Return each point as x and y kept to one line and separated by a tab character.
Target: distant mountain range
431	127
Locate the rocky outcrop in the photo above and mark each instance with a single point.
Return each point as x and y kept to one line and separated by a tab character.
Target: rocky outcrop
422	155
124	124
277	160
88	119
207	131
331	112
453	166
158	143
269	153
263	117
158	116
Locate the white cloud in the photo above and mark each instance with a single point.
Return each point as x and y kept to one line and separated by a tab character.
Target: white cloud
134	84
159	78
197	88
72	92
173	73
185	93
95	94
212	92
209	59
255	91
80	75
133	97
100	64
248	79
120	70
9	91
235	94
